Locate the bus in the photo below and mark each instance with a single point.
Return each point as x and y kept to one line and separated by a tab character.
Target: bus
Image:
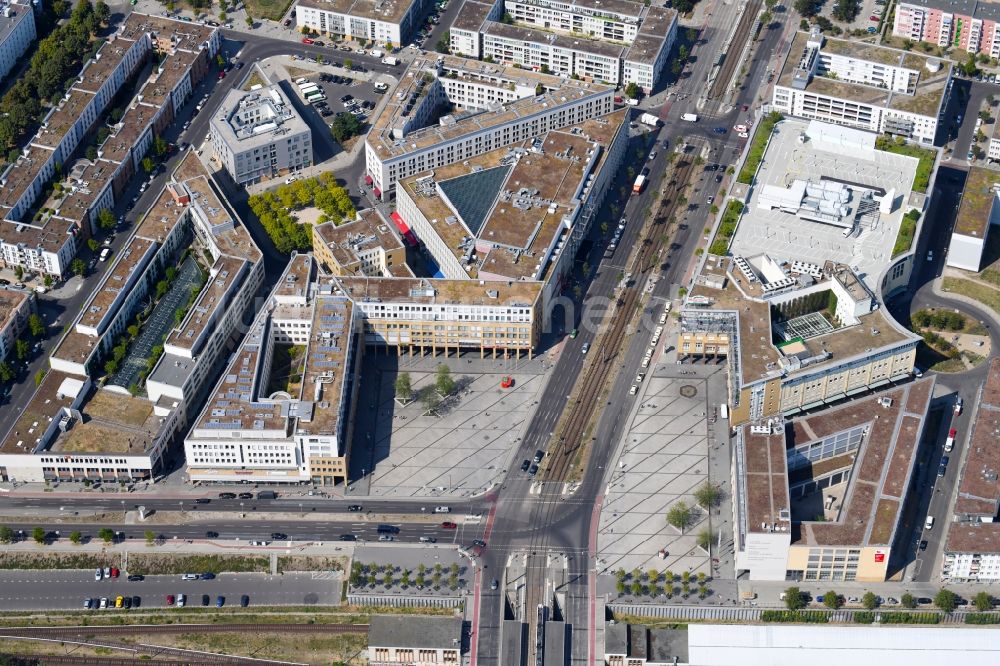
305	90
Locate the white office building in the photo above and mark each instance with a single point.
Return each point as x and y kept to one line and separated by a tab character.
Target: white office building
258	135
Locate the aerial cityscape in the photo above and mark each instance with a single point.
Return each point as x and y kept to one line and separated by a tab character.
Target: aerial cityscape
499	332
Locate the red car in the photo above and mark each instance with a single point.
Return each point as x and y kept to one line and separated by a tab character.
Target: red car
114	572
874	18
170	600
222	74
449	526
306	40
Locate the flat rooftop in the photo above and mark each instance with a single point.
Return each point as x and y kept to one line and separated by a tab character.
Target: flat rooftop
180	35
18	13
830	155
925	100
60	119
49	236
109	56
347	241
249	119
389	11
979	489
127	260
296	279
471	16
134	123
977	201
421	290
766	483
651	36
330	340
882	465
980	9
11	301
410	631
157	91
22	173
92	178
45	405
558	91
112	423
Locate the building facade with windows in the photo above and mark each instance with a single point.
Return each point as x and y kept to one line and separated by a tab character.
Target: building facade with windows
383	22
258	135
867	87
415	640
970	25
16	306
17	32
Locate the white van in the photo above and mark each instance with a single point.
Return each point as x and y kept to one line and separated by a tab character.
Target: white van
301	80
929	523
442	509
105	253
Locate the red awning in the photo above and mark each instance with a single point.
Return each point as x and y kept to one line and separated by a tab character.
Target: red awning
403	228
368	180
378	192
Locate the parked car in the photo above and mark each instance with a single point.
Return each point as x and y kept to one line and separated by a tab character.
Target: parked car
136	601
170	600
220	601
245	600
135	578
208	575
206	600
525	464
354	507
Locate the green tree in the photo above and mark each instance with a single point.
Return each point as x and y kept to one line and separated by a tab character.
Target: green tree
148	164
946	600
869	601
908	601
48	280
150	537
93	245
832	600
705	539
107	535
105	218
404	390
430	399
223	17
39	535
982	601
708	495
249	21
36	325
102	12
75	537
6	372
444	383
111	366
807	8
19	272
6	534
345	126
679	516
91	153
39	376
793	599
159	146
632	90
443	44
22	348
78	266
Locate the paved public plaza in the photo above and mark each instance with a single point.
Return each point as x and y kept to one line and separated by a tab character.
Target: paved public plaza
463	450
663	460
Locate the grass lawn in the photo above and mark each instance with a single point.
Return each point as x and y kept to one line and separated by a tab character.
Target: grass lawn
178	564
287	367
92	438
759	143
268	9
255	80
979	292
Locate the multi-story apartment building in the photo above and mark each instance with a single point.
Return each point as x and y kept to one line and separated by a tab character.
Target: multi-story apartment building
366	246
612	42
72	430
501	106
970	25
972	547
259	428
864	86
47	241
383	21
853	464
258	135
517	213
16	306
17	32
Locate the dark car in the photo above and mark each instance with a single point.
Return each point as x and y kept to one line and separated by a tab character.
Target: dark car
170	600
719	130
348	537
539	454
279	536
924	601
227	495
346	98
525	464
354	507
202	500
479	542
923	544
220	601
240	65
208	575
211	535
127	602
5	282
136	601
206	600
246	495
245	600
533	470
135	578
326	112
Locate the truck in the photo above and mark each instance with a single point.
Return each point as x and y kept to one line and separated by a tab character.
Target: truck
390	60
640	184
315	96
306	87
690	117
649	119
949	443
267	494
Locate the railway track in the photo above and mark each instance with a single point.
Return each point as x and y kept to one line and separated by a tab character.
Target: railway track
45	660
735	50
610	342
132	629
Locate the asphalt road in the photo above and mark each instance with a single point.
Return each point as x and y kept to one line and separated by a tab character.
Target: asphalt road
66	590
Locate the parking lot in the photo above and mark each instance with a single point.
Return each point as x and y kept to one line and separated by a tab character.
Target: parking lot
344	94
867	10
